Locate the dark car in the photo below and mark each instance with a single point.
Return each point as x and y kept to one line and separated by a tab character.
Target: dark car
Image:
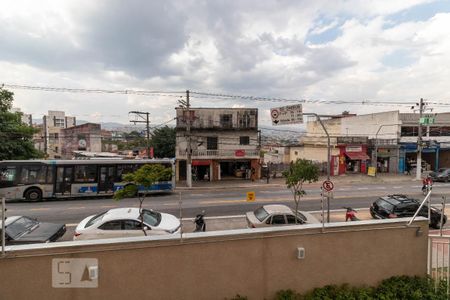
442	174
401	206
24	230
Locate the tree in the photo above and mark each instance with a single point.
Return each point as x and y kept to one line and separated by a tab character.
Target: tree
298	173
163	142
140	183
16	137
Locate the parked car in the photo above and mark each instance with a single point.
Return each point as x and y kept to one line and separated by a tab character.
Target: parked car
125	222
400	206
277	214
25	230
442	174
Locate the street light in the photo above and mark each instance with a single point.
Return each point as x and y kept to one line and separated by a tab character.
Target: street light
328	159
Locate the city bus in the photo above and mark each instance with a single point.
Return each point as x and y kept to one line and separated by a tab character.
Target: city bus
35	180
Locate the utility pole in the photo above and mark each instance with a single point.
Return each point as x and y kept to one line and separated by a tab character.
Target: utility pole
419	143
188	119
146	120
189	150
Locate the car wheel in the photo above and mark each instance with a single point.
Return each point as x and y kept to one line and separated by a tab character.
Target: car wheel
33	194
437	224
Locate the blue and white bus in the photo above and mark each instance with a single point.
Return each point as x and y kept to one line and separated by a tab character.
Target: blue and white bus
35	180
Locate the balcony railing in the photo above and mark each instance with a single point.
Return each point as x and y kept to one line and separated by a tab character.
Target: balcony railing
236	153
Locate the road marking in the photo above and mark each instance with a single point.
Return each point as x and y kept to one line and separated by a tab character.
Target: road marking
397	187
171	204
77	207
71	225
363	188
36	209
381	188
343	189
108	206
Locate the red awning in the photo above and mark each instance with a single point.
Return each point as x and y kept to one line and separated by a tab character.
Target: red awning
357	155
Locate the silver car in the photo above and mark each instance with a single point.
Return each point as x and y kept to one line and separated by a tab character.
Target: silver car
276	215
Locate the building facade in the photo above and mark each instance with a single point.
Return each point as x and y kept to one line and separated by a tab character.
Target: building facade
224	143
85	137
52	125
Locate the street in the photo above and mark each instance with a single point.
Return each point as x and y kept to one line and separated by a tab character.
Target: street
221	201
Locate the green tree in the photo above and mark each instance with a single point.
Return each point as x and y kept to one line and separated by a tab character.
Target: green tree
15	137
145	177
163	142
298	173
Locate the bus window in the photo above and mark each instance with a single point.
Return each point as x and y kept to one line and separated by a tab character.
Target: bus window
49	175
124	169
32	174
8	174
87	173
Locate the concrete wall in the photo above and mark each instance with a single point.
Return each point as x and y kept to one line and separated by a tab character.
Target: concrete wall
315	153
368	125
215	265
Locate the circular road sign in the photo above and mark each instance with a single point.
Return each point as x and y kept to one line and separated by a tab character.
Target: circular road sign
328	185
274	113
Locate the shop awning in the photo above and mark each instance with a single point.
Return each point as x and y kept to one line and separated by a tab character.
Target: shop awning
357	155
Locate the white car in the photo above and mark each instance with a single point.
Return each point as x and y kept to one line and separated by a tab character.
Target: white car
125	222
276	215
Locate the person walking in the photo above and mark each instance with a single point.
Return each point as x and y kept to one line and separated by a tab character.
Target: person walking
408	167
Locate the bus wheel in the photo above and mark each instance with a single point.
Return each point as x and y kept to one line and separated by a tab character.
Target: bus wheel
33	194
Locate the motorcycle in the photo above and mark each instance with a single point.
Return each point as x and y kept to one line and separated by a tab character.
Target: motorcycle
350	214
427	186
199	221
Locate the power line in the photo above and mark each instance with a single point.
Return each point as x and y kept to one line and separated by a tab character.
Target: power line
220	96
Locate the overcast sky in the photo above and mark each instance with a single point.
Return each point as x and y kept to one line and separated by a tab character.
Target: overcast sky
318	50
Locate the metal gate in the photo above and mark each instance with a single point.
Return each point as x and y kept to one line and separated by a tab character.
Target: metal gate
438	258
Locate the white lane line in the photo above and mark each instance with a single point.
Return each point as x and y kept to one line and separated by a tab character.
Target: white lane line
38	209
71	225
381	188
171	204
77	207
363	188
343	190
108	206
397	187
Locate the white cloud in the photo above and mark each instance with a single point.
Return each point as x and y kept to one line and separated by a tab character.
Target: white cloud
254	48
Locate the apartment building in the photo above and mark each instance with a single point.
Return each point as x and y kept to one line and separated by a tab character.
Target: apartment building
224	143
52	125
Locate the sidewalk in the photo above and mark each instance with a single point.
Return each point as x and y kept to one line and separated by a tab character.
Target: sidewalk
341	179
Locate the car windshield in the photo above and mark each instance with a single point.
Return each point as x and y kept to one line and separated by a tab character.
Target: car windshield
261	214
20	226
151	218
95	219
385	205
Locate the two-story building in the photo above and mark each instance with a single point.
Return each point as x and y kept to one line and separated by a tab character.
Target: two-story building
224	143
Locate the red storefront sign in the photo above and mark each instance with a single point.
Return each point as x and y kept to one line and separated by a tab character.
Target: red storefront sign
239	153
196	162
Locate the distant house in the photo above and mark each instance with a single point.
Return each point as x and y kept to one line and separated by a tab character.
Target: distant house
85	137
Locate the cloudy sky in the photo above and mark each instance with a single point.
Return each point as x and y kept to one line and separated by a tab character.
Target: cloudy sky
351	51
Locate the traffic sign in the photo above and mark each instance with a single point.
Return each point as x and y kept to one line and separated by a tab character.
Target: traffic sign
328	185
290	114
251	196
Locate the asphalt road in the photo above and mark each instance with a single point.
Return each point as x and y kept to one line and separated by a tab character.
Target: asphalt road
219	202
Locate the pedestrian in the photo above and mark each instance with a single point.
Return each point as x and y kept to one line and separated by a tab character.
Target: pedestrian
408	167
